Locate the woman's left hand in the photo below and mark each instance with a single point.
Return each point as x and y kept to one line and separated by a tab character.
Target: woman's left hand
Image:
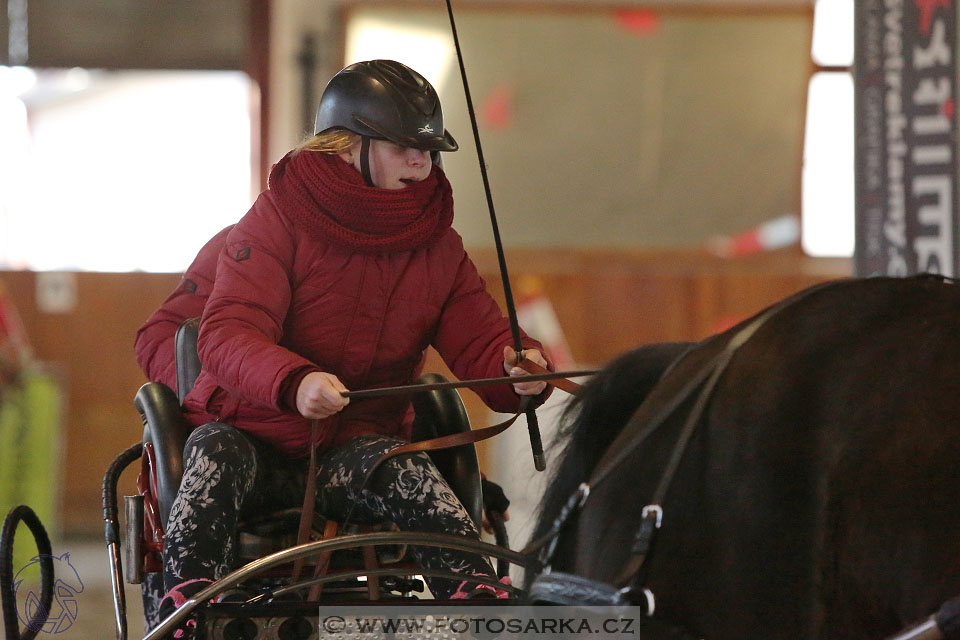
509	365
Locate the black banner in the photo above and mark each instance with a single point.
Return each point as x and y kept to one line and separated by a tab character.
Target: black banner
906	137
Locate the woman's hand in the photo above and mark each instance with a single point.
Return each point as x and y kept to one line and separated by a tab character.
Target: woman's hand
318	395
509	365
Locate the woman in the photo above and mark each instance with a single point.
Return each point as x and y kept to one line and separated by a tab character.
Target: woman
340	276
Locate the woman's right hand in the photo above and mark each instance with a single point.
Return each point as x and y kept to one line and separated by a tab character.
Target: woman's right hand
318	395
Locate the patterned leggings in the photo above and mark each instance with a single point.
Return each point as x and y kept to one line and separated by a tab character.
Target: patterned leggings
229	476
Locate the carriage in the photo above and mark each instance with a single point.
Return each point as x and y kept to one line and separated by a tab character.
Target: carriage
277	592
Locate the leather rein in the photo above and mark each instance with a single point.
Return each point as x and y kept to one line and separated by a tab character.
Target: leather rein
536	372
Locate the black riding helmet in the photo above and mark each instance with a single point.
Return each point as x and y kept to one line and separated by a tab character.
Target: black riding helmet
386	100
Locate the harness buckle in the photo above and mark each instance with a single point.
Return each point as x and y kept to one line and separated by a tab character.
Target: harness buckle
584	491
649	602
655	509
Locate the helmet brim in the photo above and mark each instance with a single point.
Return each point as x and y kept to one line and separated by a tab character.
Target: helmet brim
443	142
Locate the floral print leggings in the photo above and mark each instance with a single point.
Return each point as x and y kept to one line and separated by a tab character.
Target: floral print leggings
229	476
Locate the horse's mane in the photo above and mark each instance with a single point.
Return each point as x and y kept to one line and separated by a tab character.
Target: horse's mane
592	421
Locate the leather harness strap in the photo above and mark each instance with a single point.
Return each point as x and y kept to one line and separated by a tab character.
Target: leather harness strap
309	499
456	439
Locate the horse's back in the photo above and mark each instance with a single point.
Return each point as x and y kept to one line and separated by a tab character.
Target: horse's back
854	403
817	495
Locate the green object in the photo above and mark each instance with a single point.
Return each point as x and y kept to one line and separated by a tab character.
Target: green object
30	418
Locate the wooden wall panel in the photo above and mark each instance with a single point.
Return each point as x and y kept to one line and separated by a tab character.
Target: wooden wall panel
607	302
91	349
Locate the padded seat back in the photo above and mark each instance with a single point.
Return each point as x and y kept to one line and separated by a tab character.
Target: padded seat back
188	360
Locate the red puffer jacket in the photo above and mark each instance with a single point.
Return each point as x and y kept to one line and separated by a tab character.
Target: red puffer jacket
154	344
285	301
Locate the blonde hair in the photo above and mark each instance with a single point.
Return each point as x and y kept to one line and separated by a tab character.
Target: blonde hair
332	141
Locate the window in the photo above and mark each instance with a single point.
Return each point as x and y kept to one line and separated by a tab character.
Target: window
120	170
828	164
428	50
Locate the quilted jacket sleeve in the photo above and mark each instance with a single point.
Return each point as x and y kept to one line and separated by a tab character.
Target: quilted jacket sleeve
472	334
243	319
154	344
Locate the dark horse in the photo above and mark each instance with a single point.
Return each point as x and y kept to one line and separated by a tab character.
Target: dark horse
818	495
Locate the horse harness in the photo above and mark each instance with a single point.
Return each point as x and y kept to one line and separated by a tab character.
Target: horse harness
628	588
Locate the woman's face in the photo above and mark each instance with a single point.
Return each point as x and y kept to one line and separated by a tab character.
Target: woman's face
391	166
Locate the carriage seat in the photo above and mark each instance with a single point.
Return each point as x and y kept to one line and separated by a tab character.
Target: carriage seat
437	413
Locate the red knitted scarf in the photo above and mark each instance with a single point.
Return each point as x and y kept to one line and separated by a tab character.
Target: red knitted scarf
327	198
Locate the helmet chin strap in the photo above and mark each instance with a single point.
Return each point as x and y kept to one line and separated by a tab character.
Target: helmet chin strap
365	160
